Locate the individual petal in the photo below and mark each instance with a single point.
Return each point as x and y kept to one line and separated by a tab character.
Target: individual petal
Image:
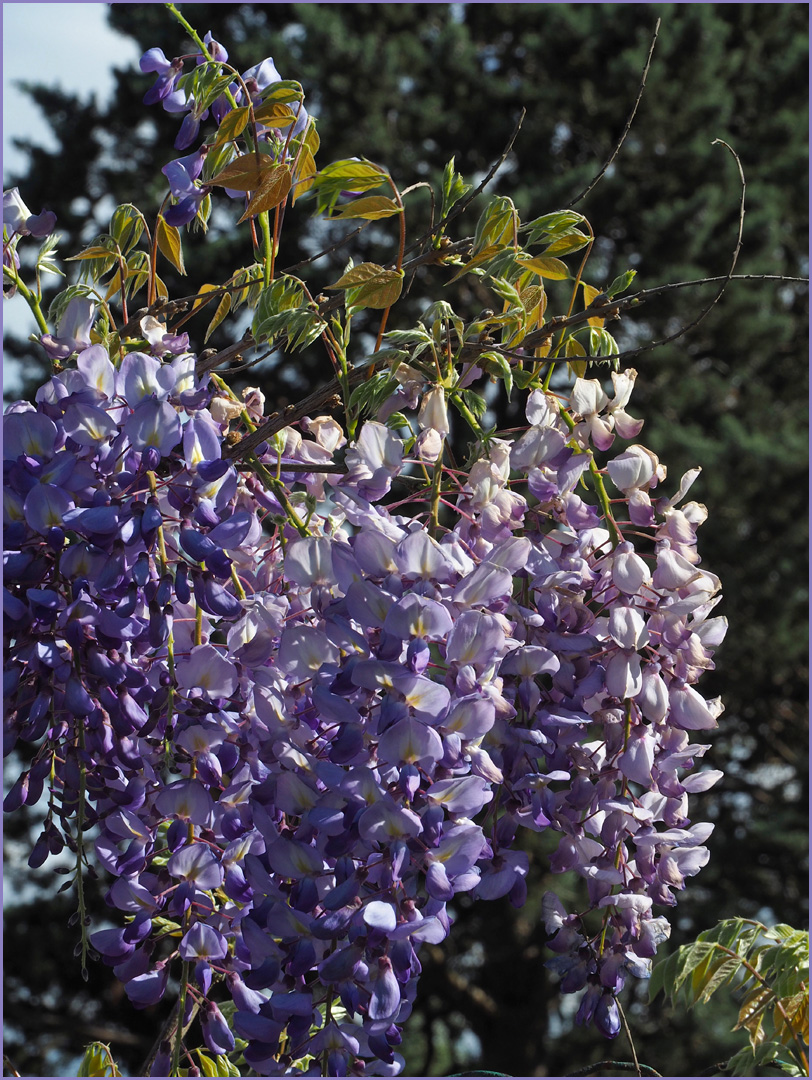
464	795
207	669
197	863
689	710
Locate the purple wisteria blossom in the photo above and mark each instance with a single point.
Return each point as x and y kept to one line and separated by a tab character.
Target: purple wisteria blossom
302	723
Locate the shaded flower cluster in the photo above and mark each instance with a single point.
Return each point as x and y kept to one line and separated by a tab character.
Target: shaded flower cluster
286	710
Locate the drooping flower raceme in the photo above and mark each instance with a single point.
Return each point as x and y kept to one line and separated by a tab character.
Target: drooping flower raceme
294	723
289	744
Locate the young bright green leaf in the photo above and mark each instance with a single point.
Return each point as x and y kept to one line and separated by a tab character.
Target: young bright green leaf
274	190
98	1061
621	283
169	244
545	268
232	125
304	173
565	245
207	1066
370	208
354	175
478	260
94	252
284	91
126	226
533	297
552	225
498	366
223	309
496	226
453	188
371	285
274	114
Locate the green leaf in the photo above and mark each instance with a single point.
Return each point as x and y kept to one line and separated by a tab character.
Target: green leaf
498	366
552	225
285	90
232	125
207	1066
545	268
354	175
369	285
223	309
304	173
126	226
621	283
565	245
371	208
274	114
601	343
475	402
664	977
370	395
453	188
169	244
496	226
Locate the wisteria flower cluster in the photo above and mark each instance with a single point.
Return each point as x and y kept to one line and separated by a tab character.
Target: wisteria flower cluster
292	723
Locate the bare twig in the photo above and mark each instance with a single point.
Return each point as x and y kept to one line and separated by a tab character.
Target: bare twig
618	1066
209	363
627	1029
729	276
7	1065
327	251
629	120
460	206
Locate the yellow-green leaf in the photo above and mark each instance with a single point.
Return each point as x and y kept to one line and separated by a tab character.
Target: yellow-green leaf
590	292
169	244
245	173
312	140
371	285
545	268
207	1066
275	115
484	256
92	253
304	173
355	175
575	348
232	126
533	297
565	245
274	190
287	90
371	208
202	297
115	285
223	309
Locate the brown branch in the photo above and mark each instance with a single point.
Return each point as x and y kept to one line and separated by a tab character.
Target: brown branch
627	128
329	396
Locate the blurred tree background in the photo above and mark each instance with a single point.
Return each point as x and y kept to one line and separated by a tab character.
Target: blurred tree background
410	85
